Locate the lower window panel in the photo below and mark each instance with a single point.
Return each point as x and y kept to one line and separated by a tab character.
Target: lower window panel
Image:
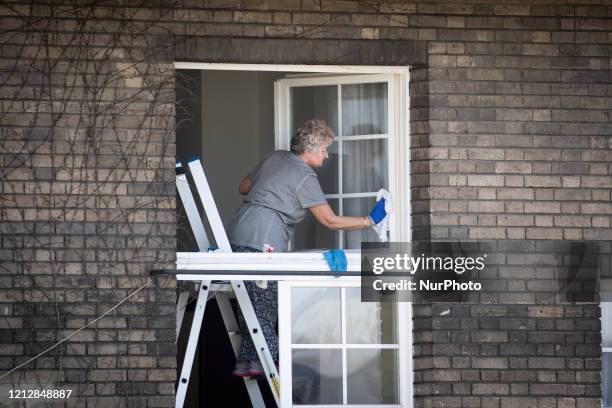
317	376
372	376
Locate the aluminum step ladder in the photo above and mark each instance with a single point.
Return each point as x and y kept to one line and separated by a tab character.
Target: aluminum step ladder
205	289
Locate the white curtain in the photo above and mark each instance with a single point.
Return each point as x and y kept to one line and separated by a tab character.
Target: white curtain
364	109
364	112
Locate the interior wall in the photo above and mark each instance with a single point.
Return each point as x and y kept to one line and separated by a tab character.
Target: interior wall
237	130
188	141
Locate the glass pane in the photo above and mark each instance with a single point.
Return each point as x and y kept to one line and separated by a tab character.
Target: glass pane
310	234
328	174
372	376
364	109
606	324
308	305
314	102
364	165
606	341
358	207
369	322
317	376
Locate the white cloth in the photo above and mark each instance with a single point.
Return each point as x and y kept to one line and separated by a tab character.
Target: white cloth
382	228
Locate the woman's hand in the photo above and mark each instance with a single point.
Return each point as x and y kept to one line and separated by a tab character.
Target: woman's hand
326	216
378	213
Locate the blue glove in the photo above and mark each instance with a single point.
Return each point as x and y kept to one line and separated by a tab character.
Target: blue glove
336	260
378	212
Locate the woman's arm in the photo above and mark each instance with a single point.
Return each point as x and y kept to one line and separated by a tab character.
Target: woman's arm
245	185
326	216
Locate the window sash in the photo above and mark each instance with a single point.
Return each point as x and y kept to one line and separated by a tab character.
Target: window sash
606	340
283	111
404	363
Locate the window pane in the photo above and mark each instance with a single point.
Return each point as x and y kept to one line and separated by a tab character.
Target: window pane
314	102
606	381
372	376
328	174
358	207
364	109
308	305
310	234
606	324
317	376
364	165
369	322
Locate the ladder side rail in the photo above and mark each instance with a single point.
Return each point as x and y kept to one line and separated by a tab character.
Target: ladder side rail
197	227
210	208
261	346
193	215
192	344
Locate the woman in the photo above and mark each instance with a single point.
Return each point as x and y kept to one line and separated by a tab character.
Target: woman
279	191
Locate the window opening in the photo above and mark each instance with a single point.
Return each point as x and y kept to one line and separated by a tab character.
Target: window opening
369	115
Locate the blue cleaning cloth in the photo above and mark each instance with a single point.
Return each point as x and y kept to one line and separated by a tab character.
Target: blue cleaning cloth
378	212
336	260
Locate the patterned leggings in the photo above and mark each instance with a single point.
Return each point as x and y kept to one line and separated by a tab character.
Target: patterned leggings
265	303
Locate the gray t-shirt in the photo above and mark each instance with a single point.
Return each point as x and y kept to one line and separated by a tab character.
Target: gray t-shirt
283	188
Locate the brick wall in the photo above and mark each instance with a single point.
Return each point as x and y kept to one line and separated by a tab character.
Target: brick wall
87	207
510	135
473	355
519	126
520	342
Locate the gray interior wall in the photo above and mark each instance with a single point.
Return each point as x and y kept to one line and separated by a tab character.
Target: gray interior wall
237	130
188	141
188	121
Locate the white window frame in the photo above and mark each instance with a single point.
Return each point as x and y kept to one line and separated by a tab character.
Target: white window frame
398	141
606	311
404	341
399	152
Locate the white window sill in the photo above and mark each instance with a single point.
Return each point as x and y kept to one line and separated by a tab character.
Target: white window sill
262	266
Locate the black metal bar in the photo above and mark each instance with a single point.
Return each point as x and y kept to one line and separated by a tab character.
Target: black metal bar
241	272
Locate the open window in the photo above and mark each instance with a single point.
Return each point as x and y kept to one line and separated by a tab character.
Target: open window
233	116
240	114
